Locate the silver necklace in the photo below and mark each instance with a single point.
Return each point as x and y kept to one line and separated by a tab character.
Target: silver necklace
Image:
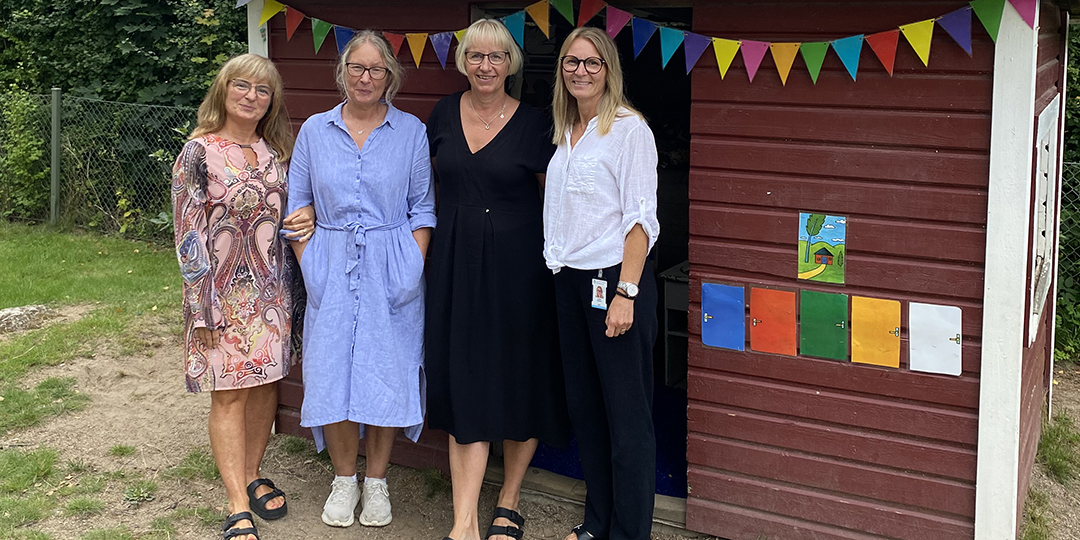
487	123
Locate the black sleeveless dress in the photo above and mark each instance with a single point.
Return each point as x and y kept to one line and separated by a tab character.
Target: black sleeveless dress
492	350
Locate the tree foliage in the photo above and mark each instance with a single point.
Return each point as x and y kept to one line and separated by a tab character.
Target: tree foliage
146	51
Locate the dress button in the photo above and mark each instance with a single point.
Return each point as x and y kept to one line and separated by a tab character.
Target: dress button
487	210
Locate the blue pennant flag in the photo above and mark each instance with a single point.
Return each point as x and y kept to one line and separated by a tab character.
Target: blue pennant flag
342	35
670	39
515	23
695	44
643	31
849	50
958	25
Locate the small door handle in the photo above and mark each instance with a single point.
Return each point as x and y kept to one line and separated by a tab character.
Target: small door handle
955	339
755	321
842	324
706	317
896	332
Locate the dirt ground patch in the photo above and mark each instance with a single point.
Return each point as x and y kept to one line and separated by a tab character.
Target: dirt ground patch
1064	507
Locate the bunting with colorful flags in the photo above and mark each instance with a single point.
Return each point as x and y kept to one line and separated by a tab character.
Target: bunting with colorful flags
957	24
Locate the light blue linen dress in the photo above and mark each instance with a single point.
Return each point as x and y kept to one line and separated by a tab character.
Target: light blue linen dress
364	326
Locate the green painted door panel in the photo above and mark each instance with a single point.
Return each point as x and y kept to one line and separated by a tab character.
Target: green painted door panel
823	325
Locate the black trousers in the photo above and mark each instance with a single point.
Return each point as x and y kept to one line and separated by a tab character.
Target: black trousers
609	390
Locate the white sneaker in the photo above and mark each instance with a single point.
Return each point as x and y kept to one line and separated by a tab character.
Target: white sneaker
338	510
376	511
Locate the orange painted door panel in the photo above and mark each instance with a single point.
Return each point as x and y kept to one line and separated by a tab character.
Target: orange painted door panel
772	321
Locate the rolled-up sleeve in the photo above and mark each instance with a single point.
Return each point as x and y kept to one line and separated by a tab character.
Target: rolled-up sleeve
421	198
637	182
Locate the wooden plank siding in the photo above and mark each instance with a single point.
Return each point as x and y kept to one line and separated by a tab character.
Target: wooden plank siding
796	447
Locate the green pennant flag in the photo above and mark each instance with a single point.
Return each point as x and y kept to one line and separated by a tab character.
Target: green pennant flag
989	13
319	30
814	55
566	7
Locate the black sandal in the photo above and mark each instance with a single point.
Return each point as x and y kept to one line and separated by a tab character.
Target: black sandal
506	530
231	521
581	533
258	504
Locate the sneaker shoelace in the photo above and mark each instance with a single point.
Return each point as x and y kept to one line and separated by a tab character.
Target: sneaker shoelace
339	493
379	487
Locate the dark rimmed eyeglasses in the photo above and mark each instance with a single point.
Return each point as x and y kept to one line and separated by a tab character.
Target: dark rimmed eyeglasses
496	58
593	65
377	73
242	86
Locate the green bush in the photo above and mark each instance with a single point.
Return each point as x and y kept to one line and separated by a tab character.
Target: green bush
24	170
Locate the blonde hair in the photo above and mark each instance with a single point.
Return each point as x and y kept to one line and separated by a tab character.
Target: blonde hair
273	127
564	105
491	31
394	69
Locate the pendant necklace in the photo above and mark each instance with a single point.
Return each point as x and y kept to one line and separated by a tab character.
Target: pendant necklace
487	123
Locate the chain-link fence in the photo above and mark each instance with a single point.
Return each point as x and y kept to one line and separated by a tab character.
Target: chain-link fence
115	163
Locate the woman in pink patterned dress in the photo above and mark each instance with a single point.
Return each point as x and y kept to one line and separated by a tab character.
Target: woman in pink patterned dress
229	194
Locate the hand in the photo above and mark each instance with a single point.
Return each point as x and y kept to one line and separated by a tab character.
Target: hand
209	338
620	316
301	222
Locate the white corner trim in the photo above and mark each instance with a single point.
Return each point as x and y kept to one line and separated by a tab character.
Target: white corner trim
257	34
1004	290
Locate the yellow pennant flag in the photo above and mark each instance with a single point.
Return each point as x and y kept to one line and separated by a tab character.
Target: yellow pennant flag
417	42
784	55
460	34
270	8
539	14
919	36
725	50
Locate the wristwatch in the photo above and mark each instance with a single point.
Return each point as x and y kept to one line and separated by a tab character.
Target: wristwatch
630	288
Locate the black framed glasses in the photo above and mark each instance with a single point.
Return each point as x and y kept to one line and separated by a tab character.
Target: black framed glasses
593	64
496	58
377	73
242	86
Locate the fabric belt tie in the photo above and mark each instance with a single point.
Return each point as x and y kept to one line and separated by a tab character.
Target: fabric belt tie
353	250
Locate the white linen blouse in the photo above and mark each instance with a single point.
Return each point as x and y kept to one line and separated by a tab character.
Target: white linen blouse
597	191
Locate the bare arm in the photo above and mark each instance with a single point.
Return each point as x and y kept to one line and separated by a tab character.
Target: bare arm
620	315
423	238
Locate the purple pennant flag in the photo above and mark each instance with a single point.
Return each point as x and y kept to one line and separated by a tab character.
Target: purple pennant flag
693	46
753	52
958	25
441	44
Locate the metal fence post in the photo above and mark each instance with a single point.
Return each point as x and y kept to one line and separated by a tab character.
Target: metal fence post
54	167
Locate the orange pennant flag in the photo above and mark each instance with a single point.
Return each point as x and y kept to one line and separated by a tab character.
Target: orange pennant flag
270	8
293	18
784	55
588	10
395	41
539	14
417	42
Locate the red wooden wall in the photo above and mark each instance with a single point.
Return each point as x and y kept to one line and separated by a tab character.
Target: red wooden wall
1050	82
785	447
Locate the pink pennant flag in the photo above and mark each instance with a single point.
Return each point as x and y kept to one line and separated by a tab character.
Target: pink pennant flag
1028	10
616	20
753	52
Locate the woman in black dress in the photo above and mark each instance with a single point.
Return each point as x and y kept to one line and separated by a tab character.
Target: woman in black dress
492	359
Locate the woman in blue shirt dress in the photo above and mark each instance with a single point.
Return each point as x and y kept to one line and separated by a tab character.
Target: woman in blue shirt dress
364	165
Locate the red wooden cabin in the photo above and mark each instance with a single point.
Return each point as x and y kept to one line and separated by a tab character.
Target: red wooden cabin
941	171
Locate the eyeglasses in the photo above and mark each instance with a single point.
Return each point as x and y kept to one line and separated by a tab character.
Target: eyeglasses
496	58
242	86
377	73
593	65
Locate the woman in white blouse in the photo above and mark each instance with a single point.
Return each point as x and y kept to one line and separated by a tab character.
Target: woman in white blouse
599	226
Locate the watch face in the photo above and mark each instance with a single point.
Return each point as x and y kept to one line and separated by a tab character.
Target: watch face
630	288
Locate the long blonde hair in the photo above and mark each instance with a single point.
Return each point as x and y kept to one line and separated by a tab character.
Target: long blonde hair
274	126
564	105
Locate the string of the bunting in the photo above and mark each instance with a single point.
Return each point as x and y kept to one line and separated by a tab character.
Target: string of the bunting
919	35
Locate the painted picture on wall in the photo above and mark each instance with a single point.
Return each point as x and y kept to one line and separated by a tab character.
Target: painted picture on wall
822	240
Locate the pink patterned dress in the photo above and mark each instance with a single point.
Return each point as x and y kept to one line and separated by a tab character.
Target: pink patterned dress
236	269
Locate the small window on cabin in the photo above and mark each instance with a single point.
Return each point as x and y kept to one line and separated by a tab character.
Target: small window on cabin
1044	212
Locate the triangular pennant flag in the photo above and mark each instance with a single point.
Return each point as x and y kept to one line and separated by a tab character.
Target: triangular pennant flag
884	46
725	50
989	13
460	34
293	18
319	30
849	50
753	52
441	43
539	13
617	19
643	30
416	45
566	7
395	41
919	36
670	39
1028	10
270	8
814	55
784	55
694	45
342	36
958	25
515	23
588	10
242	2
